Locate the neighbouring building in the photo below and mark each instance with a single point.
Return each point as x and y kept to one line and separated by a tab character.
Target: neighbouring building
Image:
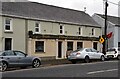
14	0
112	26
45	30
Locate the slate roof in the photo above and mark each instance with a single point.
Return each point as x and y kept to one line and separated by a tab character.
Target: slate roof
113	19
48	12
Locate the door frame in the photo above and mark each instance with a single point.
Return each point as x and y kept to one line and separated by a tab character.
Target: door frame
11	43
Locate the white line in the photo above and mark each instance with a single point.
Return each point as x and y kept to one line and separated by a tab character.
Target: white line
94	72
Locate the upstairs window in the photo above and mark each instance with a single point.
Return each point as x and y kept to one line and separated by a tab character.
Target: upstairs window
8	24
37	27
93	31
79	31
61	29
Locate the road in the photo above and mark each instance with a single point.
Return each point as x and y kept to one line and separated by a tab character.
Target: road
95	69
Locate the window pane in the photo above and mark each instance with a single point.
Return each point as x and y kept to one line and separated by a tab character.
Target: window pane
36	29
79	30
70	46
60	31
37	25
92	31
60	27
79	45
7	21
7	27
39	46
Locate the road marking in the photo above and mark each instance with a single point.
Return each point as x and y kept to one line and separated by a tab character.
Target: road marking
94	72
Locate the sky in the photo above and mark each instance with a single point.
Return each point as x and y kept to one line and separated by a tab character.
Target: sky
92	6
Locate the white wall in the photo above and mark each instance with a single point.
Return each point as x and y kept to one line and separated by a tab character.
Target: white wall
113	41
0	33
118	34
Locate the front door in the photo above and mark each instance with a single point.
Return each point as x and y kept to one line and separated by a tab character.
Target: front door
8	43
95	45
59	49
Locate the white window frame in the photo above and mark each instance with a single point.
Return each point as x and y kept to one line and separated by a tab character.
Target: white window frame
61	29
39	27
35	46
11	25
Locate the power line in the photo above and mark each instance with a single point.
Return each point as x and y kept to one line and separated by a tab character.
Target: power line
113	3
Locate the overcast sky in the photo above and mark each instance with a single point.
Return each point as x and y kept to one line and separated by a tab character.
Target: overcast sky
92	6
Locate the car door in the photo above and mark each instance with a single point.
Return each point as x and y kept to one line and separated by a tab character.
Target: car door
96	54
10	57
23	59
89	53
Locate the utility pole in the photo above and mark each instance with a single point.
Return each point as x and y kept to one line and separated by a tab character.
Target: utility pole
105	29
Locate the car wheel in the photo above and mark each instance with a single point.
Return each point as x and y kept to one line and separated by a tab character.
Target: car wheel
36	63
102	58
118	57
73	62
4	66
87	60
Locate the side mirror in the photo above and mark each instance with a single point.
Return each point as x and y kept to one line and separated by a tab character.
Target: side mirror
25	55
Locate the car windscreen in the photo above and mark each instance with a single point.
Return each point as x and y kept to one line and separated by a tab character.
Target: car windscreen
1	53
78	50
111	50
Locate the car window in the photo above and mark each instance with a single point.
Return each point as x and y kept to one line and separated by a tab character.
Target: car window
118	49
111	49
93	50
81	49
88	50
8	53
1	53
18	53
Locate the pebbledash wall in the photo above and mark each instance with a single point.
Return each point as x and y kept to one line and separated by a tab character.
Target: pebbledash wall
45	37
51	37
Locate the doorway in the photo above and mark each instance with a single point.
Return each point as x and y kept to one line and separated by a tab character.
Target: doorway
8	43
59	49
95	45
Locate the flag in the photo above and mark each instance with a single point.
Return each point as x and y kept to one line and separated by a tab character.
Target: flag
109	35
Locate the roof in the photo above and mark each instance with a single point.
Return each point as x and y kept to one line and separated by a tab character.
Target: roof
113	19
47	12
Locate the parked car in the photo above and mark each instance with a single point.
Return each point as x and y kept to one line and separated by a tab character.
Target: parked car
12	58
86	54
113	53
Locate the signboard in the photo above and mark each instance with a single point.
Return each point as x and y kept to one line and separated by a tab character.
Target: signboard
101	40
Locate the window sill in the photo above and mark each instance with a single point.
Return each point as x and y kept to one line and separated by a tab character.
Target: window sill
8	31
39	52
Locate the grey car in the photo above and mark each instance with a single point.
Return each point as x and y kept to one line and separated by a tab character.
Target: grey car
14	58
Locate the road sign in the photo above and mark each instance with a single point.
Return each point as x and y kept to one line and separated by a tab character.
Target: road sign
101	40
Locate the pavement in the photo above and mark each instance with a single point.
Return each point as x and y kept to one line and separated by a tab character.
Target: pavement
54	62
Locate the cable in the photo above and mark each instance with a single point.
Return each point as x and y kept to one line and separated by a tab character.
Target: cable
113	3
